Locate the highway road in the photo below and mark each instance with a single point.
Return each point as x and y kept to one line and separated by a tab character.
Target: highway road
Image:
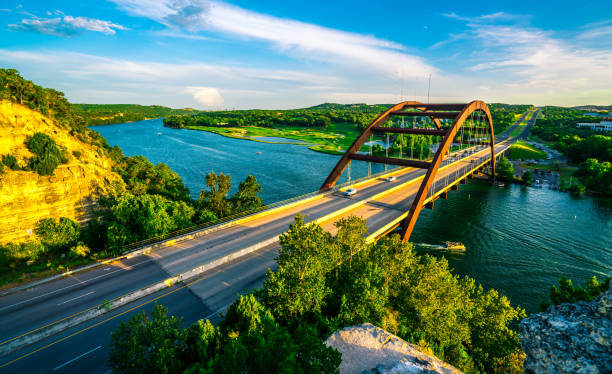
84	348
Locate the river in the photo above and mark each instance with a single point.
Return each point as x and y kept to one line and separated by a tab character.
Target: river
519	240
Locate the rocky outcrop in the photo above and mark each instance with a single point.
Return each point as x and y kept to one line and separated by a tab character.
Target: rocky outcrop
570	338
369	349
25	196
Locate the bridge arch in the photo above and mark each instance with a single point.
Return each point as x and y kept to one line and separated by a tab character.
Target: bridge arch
460	113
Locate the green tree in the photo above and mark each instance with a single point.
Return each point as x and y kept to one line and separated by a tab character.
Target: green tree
48	155
566	292
11	162
58	235
137	217
148	345
505	169
298	285
528	177
247	198
215	198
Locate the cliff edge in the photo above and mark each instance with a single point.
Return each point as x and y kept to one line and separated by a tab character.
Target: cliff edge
27	197
369	349
570	338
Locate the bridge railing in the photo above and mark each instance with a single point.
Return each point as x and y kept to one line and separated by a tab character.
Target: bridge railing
441	184
178	234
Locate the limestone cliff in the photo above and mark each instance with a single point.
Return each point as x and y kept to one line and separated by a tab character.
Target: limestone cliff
570	338
25	196
370	349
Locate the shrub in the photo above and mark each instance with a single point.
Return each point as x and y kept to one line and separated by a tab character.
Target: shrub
58	235
79	250
566	292
10	161
77	154
48	155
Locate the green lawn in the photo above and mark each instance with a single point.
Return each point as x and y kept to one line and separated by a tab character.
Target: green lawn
522	150
334	139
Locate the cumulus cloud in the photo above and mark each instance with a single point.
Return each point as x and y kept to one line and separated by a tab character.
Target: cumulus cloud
66	26
207	96
299	39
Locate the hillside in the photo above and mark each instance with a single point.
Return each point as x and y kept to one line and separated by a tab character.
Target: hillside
27	197
105	114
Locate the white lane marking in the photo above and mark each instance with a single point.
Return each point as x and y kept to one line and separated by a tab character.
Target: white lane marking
107	269
78	297
76	358
75	284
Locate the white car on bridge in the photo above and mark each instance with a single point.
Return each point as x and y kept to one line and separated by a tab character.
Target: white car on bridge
350	192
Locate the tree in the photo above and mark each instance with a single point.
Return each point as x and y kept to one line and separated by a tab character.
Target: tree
505	169
528	177
215	199
298	285
148	345
137	217
48	155
247	196
58	235
566	292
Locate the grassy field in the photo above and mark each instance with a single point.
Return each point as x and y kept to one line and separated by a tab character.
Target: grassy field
522	150
334	139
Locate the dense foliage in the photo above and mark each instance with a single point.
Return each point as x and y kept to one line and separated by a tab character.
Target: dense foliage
323	283
504	169
504	115
591	150
48	155
105	114
248	340
596	175
566	292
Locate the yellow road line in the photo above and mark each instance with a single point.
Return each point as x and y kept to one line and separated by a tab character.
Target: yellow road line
97	324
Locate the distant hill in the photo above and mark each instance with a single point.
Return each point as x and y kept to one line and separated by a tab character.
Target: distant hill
357	107
106	114
593	107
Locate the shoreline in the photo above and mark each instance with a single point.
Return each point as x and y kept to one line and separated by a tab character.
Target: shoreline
228	134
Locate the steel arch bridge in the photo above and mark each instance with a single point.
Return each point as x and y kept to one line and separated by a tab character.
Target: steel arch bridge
450	122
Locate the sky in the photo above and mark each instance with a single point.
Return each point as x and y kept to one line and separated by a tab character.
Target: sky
290	54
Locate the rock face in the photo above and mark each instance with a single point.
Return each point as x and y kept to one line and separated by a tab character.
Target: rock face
570	338
25	196
369	349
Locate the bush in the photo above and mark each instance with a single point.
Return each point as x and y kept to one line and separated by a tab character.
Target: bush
566	292
528	177
77	154
138	217
48	155
58	235
10	161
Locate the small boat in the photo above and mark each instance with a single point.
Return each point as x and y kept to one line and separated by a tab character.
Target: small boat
159	133
455	246
257	153
500	184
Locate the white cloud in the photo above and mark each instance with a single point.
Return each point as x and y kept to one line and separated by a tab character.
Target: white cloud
295	38
207	96
66	26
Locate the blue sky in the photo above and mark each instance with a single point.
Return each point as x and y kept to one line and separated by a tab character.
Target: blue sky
283	54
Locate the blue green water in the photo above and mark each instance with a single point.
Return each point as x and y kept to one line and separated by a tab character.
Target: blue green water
519	240
284	170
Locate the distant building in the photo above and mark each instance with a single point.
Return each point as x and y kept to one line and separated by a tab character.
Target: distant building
605	125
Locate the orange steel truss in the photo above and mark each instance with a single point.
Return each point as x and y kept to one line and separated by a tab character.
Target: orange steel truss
459	112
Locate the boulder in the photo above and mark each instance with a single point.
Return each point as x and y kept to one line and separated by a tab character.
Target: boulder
570	338
369	349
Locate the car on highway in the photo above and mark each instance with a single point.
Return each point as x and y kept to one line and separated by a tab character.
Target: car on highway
391	178
350	192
